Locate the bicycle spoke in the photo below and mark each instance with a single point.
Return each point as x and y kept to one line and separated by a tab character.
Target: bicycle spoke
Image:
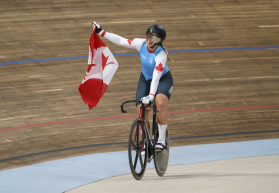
136	161
134	146
141	162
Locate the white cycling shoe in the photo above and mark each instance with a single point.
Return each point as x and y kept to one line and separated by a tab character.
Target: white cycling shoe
143	151
161	144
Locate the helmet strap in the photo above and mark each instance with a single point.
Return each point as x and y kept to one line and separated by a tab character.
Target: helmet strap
159	44
154	46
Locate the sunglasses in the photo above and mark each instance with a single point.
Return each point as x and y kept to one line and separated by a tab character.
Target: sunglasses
153	38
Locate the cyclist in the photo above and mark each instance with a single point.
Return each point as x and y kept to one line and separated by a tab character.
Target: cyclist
155	80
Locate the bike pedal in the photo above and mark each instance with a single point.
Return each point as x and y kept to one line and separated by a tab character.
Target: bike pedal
160	150
149	159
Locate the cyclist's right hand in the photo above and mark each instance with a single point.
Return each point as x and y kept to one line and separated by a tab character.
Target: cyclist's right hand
99	30
147	99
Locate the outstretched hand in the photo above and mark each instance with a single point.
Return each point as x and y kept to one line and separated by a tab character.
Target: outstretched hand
99	30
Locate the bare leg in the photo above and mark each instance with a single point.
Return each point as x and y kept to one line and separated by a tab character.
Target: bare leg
161	101
162	119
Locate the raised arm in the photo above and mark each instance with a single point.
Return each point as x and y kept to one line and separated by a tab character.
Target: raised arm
116	39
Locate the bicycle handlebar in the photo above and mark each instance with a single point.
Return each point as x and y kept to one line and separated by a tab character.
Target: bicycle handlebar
122	105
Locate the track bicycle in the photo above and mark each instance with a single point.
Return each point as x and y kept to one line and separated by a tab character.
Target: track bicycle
141	148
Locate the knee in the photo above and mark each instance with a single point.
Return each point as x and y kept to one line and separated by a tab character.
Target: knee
161	106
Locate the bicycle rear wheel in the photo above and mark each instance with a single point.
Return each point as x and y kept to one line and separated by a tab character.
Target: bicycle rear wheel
161	158
136	145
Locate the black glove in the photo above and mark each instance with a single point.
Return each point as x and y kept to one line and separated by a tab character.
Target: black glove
99	30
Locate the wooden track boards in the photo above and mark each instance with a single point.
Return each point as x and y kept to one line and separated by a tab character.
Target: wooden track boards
202	80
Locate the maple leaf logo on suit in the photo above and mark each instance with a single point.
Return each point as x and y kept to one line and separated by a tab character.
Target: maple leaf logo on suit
159	68
130	41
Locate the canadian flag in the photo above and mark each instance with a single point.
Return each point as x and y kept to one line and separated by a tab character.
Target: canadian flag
101	67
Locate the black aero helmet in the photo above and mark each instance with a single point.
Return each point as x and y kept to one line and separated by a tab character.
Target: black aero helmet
156	33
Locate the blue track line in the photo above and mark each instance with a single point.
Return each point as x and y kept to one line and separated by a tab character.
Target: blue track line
59	176
129	54
124	143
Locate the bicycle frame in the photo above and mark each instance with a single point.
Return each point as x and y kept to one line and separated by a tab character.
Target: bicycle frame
142	117
139	126
151	147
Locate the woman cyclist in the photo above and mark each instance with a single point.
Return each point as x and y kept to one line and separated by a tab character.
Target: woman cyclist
155	80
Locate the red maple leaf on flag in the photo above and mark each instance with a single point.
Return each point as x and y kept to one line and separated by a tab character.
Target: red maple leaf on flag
104	61
130	41
159	68
97	76
89	68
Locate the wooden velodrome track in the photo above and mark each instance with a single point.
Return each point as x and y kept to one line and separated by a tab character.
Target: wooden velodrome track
218	96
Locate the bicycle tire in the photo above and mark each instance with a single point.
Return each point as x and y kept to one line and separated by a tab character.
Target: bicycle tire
137	140
161	158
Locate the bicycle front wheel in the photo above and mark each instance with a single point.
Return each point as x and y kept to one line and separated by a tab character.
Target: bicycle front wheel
161	158
136	145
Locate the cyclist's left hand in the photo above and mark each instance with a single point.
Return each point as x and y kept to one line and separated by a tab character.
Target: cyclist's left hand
99	30
147	99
